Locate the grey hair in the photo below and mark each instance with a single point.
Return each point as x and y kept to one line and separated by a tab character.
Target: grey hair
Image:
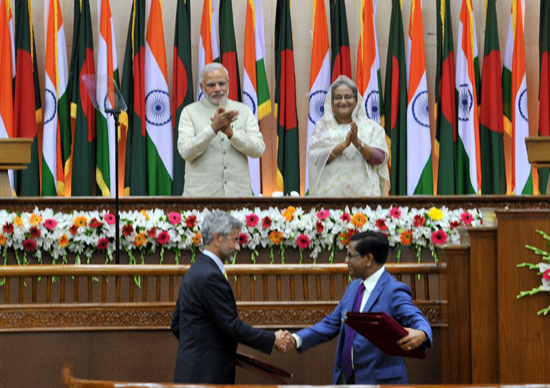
218	222
211	67
342	80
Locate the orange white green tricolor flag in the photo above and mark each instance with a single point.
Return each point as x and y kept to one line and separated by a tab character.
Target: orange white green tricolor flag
319	78
255	88
160	158
469	158
419	140
514	90
369	81
56	145
209	50
107	73
7	74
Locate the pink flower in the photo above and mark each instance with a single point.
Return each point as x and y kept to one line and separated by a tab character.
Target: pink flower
395	212
381	224
303	241
319	226
243	238
439	237
419	221
266	222
191	221
466	218
109	218
50	223
103	243
252	220
29	244
163	238
174	218
345	217
323	214
546	275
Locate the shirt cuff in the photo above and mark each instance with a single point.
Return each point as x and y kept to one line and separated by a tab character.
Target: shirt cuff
298	340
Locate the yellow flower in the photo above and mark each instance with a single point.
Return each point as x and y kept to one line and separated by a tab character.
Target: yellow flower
63	241
140	240
2	240
80	221
289	213
435	214
18	221
35	219
145	214
197	238
276	237
358	220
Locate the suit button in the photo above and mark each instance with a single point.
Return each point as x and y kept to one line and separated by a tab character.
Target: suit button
224	152
225	167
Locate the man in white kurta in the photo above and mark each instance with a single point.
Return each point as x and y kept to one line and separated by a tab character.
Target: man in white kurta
216	136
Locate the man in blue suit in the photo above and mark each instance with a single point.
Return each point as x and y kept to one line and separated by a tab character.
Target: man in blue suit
374	290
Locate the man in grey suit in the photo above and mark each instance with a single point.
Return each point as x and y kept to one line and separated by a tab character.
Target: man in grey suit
205	320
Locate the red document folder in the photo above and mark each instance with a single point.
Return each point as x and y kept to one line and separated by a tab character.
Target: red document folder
262	368
383	332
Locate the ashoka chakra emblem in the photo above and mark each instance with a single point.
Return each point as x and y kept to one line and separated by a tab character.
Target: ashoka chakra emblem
249	102
522	105
372	106
465	102
157	107
317	106
421	109
50	106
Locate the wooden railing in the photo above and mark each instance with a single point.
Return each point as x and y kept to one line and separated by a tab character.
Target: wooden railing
111	297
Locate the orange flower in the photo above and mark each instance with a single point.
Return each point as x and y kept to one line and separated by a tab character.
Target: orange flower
145	214
289	213
276	237
197	238
358	220
18	221
80	221
140	240
406	237
2	240
63	241
344	238
35	219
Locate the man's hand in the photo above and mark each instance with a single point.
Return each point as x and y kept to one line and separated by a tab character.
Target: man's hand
284	341
222	120
413	340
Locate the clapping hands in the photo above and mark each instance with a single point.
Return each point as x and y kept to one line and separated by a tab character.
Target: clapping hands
284	341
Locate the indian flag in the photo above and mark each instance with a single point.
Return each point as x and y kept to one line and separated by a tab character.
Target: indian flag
369	81
157	106
319	78
7	74
107	72
514	89
419	140
56	142
255	88
209	50
469	157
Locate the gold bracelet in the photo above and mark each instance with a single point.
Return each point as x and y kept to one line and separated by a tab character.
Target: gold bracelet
333	154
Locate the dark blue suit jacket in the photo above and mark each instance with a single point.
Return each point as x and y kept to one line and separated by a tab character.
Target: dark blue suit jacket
371	365
208	327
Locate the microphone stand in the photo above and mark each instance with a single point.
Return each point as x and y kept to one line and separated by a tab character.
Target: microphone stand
115	113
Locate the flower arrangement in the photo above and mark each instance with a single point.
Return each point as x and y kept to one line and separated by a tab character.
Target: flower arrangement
544	270
146	231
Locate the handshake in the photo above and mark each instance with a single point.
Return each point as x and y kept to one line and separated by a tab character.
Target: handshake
284	341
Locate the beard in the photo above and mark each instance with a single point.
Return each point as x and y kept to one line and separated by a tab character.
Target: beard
228	254
216	98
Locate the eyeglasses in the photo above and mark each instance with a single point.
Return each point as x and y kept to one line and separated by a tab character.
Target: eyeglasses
352	255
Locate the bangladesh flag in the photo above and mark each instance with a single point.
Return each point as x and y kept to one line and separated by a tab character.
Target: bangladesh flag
228	49
544	88
340	60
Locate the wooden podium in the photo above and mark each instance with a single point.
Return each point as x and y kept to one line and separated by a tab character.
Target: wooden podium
14	155
538	154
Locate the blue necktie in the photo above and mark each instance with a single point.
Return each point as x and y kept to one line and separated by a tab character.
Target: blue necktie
347	368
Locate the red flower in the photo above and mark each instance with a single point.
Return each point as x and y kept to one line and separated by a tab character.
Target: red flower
163	238
319	227
439	237
323	214
243	238
303	241
103	243
29	244
152	233
419	221
174	218
395	212
34	232
109	218
266	222
466	218
191	221
50	223
8	228
455	224
352	232
252	220
381	224
546	275
345	217
95	223
127	230
73	229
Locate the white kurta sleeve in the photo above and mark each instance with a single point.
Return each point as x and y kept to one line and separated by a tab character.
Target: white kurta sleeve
191	144
249	142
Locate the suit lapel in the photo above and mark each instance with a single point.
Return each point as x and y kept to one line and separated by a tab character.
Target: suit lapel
376	291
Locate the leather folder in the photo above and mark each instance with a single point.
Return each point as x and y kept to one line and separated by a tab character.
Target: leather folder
383	332
262	368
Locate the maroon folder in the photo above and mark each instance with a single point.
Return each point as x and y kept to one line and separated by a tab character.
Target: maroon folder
383	332
262	368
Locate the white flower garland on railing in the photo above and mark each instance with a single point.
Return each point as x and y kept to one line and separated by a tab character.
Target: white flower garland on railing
543	269
84	233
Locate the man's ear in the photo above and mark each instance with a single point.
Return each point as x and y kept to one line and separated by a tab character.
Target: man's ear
217	239
369	259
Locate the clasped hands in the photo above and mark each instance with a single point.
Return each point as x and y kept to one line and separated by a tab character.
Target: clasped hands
222	120
284	341
352	137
